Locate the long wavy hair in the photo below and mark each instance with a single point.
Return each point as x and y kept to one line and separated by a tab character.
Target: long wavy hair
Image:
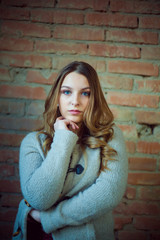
97	125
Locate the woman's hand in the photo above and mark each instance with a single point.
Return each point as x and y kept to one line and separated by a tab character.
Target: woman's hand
35	214
63	123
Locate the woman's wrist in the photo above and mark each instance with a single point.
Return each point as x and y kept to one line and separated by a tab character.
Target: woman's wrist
35	214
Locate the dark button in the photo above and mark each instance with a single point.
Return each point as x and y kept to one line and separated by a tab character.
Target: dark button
27	203
17	232
78	169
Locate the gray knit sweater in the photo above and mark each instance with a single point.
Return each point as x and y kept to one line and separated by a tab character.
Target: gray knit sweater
45	181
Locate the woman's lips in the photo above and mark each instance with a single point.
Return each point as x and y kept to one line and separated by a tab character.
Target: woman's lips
75	112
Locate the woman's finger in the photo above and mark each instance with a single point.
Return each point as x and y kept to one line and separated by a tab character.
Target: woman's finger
60	118
63	123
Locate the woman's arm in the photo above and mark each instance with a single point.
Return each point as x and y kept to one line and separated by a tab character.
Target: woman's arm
100	197
41	179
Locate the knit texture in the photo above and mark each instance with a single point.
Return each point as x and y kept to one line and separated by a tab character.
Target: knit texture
44	182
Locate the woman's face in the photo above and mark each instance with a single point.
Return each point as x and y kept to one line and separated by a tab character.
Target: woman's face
74	96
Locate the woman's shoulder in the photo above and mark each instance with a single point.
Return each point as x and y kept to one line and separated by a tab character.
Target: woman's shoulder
118	138
117	132
33	138
30	136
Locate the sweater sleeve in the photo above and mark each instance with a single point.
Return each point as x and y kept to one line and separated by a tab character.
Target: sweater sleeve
42	179
99	198
85	231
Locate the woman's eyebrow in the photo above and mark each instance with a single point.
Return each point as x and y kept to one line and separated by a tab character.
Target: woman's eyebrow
66	87
86	88
72	88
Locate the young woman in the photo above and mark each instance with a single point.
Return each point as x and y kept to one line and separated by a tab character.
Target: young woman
73	171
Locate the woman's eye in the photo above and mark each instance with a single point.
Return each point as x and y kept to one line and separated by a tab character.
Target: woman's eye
66	92
86	93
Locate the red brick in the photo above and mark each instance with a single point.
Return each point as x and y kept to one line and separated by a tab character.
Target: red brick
132	99
35	109
60	62
129	131
130	193
22	124
7	139
147	223
142	164
148	147
30	3
42	15
150	53
78	33
75	4
113	20
132	235
148	85
22	92
113	51
9	107
20	60
10	186
8	215
9	155
5	74
150	179
100	5
60	47
25	29
137	208
68	17
120	222
14	13
10	200
135	6
149	193
41	3
149	22
132	36
130	146
98	65
6	170
13	44
147	117
34	76
110	82
136	68
121	6
122	114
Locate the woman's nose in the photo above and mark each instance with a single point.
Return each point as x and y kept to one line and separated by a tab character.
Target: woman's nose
75	99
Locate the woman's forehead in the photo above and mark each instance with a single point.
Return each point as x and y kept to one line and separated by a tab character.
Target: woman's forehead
75	80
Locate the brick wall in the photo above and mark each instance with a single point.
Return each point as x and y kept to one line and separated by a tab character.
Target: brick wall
120	38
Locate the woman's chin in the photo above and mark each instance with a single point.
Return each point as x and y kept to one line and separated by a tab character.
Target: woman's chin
75	119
